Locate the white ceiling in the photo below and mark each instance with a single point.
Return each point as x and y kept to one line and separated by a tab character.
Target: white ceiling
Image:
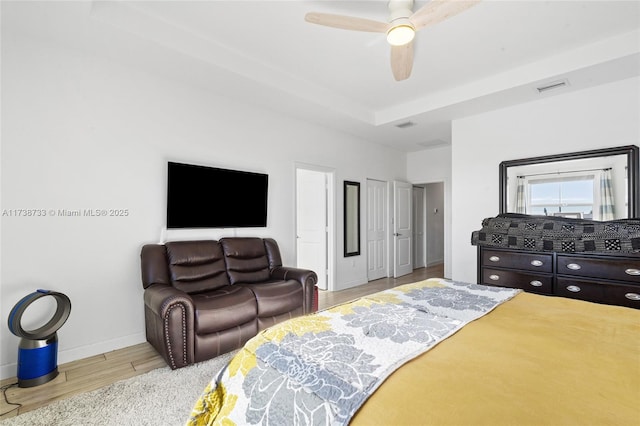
263	52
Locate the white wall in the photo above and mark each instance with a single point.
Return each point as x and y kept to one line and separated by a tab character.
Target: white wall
429	166
599	117
81	132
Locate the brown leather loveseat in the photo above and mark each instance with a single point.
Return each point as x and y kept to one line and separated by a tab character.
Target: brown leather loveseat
206	298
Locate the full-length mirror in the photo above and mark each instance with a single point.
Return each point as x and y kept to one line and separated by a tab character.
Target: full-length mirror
599	184
351	218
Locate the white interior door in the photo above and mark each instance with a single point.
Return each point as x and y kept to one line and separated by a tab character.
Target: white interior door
402	229
376	229
311	223
419	241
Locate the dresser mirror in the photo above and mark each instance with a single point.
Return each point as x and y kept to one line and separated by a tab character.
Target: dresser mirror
599	184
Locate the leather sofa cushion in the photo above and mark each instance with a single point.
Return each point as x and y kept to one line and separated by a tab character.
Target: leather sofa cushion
247	260
277	297
223	308
196	266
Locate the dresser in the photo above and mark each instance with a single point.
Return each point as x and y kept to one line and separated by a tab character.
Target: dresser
612	279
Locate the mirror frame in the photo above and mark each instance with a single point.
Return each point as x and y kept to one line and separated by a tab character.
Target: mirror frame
631	151
348	212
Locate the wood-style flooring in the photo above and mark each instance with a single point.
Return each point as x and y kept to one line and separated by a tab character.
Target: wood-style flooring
97	371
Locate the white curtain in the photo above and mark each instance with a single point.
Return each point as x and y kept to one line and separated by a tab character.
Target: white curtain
606	208
521	197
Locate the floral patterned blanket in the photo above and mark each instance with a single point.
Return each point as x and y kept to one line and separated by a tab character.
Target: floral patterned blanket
320	368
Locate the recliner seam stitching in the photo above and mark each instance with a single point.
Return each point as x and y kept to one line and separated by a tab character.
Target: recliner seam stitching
184	337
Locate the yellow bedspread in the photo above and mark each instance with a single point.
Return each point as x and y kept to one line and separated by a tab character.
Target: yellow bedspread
534	360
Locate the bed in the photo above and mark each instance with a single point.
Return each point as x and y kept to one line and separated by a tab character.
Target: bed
437	352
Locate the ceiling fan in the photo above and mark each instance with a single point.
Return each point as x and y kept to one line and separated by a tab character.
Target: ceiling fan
401	28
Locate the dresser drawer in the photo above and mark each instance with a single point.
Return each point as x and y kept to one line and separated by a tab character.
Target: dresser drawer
601	292
536	283
610	268
516	260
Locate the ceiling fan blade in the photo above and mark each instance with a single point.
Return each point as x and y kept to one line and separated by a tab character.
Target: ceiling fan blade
402	61
438	10
346	22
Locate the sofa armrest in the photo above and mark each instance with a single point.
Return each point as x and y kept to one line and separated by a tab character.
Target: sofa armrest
153	262
159	298
306	277
169	317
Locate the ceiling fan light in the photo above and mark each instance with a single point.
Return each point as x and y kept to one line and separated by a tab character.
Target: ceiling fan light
400	35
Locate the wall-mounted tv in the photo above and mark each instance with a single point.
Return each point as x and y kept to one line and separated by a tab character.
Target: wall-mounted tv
208	197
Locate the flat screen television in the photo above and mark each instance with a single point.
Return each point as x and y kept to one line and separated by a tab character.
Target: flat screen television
208	197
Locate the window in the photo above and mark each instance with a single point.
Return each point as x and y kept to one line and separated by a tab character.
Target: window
566	196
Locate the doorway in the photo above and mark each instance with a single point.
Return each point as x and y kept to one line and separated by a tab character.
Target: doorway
432	218
428	220
315	223
419	236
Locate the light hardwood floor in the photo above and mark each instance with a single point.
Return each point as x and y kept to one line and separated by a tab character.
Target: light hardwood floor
97	371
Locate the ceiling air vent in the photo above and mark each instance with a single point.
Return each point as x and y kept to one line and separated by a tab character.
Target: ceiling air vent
433	143
405	125
553	85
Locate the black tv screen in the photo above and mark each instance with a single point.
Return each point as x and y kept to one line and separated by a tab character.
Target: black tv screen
208	197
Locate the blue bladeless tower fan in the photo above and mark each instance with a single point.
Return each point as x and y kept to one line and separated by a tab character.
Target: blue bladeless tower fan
38	349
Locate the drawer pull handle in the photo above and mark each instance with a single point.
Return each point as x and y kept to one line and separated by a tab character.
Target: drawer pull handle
494	277
494	259
574	266
632	296
573	288
632	271
536	262
536	283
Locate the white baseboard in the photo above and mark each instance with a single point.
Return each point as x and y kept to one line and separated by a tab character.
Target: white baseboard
74	354
352	283
435	262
